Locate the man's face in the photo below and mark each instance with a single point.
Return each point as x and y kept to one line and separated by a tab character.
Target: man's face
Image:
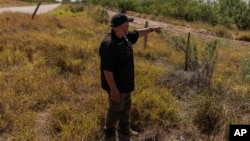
125	27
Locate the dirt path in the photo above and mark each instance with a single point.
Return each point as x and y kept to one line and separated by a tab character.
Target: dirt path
41	126
30	9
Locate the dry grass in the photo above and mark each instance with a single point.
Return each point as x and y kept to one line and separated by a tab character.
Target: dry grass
50	66
9	3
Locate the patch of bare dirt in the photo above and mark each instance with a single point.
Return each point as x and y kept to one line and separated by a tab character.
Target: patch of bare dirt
41	126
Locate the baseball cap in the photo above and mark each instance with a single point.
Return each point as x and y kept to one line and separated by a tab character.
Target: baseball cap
119	19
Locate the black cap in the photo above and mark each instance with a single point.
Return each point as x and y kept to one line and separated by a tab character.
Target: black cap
119	19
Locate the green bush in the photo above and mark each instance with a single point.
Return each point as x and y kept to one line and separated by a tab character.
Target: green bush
100	15
126	5
76	8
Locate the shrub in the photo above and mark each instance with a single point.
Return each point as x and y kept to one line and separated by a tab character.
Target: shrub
221	31
125	5
210	117
245	72
76	8
100	15
153	107
22	126
70	122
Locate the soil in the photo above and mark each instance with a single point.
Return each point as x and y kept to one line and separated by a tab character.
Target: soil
41	128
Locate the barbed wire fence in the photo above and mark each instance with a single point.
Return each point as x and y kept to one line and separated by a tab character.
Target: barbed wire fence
198	63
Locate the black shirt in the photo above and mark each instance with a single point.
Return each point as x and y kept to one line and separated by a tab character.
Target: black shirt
117	57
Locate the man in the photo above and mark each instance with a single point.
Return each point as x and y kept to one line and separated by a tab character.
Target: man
117	73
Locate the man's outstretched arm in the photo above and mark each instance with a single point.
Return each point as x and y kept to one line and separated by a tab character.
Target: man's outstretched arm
144	31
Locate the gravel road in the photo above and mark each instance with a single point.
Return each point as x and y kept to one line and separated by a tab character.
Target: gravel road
30	9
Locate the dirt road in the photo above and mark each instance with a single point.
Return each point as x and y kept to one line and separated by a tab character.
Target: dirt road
30	9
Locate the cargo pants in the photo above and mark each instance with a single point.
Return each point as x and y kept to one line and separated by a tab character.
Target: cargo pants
118	113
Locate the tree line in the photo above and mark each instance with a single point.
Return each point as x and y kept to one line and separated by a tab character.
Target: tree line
215	12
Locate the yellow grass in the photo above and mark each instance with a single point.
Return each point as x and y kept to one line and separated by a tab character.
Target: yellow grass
9	3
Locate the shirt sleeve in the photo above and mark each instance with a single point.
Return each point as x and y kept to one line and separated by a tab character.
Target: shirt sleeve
133	36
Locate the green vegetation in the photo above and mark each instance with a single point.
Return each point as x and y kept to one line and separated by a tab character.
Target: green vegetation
36	1
50	87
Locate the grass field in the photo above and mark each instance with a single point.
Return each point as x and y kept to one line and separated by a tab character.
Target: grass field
50	81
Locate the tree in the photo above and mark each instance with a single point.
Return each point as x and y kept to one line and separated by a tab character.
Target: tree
226	10
192	11
208	13
66	1
125	5
241	17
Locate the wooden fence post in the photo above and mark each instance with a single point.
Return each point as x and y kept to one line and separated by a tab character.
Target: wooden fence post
187	54
37	7
145	37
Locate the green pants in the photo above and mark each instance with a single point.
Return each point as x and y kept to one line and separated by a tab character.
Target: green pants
119	112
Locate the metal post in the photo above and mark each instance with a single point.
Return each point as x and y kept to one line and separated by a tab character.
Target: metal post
37	7
145	37
187	54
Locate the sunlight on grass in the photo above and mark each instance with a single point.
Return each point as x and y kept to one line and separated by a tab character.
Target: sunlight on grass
156	108
69	122
22	126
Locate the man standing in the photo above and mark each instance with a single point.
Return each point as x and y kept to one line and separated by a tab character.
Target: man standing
117	74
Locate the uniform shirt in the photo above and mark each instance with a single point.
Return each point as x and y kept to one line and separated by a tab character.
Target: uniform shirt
117	57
